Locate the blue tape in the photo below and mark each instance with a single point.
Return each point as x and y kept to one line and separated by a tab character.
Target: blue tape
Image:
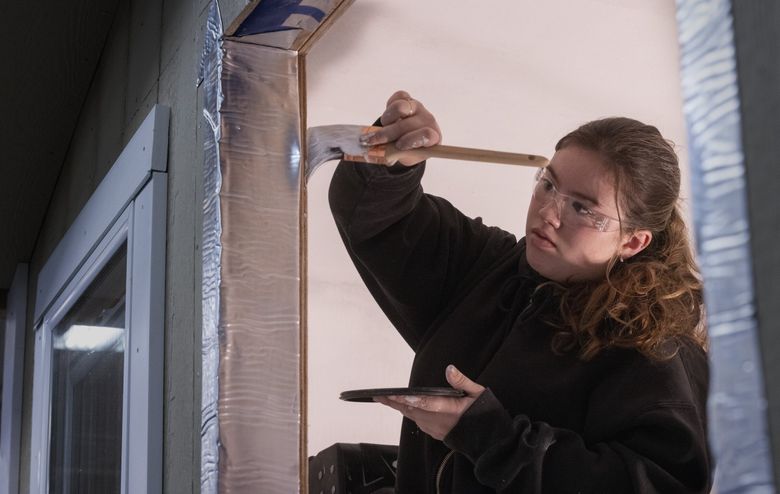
270	16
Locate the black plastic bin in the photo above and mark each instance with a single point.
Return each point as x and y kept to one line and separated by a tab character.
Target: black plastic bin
353	469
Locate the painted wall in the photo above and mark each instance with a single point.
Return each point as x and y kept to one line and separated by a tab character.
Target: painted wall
151	56
515	76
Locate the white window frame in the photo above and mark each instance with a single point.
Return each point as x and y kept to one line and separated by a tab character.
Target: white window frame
129	206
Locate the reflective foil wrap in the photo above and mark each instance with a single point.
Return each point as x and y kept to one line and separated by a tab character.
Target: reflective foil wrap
737	405
210	71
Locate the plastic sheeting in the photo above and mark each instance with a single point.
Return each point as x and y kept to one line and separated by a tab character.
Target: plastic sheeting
260	286
251	412
737	406
252	285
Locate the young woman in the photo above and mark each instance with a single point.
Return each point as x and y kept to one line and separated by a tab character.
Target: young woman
583	342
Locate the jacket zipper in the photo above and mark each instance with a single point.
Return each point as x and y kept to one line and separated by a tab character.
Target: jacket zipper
440	471
526	309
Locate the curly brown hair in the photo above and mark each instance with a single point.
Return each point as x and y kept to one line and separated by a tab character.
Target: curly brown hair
655	297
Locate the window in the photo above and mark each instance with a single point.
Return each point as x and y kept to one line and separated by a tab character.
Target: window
97	391
87	382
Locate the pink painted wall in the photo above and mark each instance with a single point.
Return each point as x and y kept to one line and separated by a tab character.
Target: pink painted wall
514	75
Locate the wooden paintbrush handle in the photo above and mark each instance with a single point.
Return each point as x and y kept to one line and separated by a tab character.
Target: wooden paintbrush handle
487	155
468	154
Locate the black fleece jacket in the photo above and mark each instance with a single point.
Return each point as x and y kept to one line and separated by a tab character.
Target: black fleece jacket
460	292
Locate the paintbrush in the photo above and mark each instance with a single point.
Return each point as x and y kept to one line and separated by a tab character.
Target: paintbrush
331	142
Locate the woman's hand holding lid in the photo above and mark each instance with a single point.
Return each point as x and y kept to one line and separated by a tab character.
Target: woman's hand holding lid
437	415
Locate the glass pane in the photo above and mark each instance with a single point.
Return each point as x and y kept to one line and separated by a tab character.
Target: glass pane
87	376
